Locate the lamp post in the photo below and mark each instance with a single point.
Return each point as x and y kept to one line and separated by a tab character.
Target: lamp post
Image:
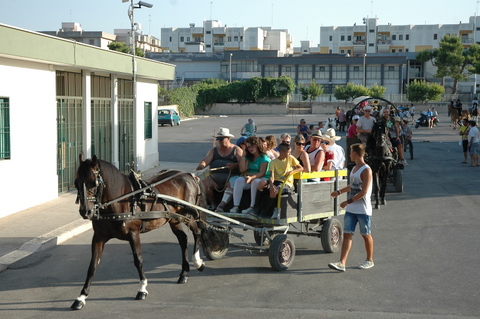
131	8
230	67
365	69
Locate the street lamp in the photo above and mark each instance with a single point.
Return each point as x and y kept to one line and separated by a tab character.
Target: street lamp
131	8
230	67
365	69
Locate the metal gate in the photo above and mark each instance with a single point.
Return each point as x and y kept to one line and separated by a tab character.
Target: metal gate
69	140
101	117
69	127
126	125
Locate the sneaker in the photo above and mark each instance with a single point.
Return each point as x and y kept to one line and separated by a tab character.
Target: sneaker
234	210
249	211
219	209
337	266
366	264
276	213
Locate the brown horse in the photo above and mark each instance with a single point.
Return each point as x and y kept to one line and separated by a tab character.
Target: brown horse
103	193
455	118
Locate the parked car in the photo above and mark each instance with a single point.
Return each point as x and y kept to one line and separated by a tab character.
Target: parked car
168	116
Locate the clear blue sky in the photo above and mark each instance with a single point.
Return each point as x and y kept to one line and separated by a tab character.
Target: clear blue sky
302	18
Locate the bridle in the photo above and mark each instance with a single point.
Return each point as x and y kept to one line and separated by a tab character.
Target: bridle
93	194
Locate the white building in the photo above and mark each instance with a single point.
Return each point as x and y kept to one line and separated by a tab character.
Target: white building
64	98
372	37
214	37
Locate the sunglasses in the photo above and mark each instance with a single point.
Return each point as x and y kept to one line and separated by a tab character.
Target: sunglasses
325	142
299	143
220	138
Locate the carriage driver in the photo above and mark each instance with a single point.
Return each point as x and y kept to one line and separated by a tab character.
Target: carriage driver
226	155
365	125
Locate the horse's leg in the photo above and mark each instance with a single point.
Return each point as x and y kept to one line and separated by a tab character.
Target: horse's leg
197	261
98	244
375	185
383	183
135	244
182	240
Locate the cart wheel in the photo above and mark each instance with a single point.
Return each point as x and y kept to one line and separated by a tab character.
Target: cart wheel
218	247
258	238
398	180
282	252
332	235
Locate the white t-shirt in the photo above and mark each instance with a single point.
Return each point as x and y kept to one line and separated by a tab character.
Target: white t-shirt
339	156
365	124
474	132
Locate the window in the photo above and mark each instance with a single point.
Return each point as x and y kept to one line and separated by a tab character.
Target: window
391	72
147	110
229	38
406	50
170	39
330	38
209	32
181	39
342	51
4	128
235	38
407	37
188	39
374	72
322	72
435	36
393	50
371	30
394	37
339	72
271	71
304	72
371	44
289	71
400	37
357	72
349	38
342	38
209	45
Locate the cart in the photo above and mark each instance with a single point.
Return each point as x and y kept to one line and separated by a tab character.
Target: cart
309	211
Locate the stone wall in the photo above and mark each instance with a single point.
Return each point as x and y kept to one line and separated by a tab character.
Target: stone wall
245	109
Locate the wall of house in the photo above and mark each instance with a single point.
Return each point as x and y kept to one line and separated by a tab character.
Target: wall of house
29	178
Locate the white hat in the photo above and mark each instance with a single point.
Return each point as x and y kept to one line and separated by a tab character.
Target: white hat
224	132
316	133
355	117
367	107
331	134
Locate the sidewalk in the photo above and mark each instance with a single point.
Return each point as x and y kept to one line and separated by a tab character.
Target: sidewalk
49	224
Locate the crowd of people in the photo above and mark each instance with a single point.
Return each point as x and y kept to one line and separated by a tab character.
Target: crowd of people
264	163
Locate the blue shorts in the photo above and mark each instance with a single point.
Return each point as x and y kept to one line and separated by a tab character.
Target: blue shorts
474	148
350	222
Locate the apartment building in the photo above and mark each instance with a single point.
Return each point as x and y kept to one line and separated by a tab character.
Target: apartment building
212	36
373	37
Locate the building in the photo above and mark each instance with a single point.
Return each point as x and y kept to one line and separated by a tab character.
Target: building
64	98
74	31
372	37
214	37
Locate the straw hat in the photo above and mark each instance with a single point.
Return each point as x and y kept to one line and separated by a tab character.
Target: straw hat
224	132
316	133
331	134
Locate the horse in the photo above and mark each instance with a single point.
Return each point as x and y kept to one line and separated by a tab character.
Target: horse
120	215
455	118
381	159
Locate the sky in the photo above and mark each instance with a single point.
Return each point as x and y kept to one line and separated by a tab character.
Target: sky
302	18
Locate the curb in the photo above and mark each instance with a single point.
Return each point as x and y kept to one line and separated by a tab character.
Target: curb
45	241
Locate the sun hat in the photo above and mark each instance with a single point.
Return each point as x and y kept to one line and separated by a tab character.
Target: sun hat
224	132
367	108
397	119
331	134
316	133
355	117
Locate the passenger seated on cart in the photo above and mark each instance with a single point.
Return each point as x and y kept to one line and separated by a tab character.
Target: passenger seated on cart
315	153
300	154
329	156
254	167
282	170
339	153
225	156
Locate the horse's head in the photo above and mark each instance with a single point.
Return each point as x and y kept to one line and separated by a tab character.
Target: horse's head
89	184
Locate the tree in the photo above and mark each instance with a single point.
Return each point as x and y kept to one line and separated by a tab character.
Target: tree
123	47
311	91
452	59
350	91
421	91
376	90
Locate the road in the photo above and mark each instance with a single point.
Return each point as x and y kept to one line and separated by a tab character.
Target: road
426	254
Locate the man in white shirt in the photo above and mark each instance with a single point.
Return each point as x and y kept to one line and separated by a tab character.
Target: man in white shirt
365	125
473	142
338	151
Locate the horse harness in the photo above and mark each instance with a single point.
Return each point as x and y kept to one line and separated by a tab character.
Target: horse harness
142	191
